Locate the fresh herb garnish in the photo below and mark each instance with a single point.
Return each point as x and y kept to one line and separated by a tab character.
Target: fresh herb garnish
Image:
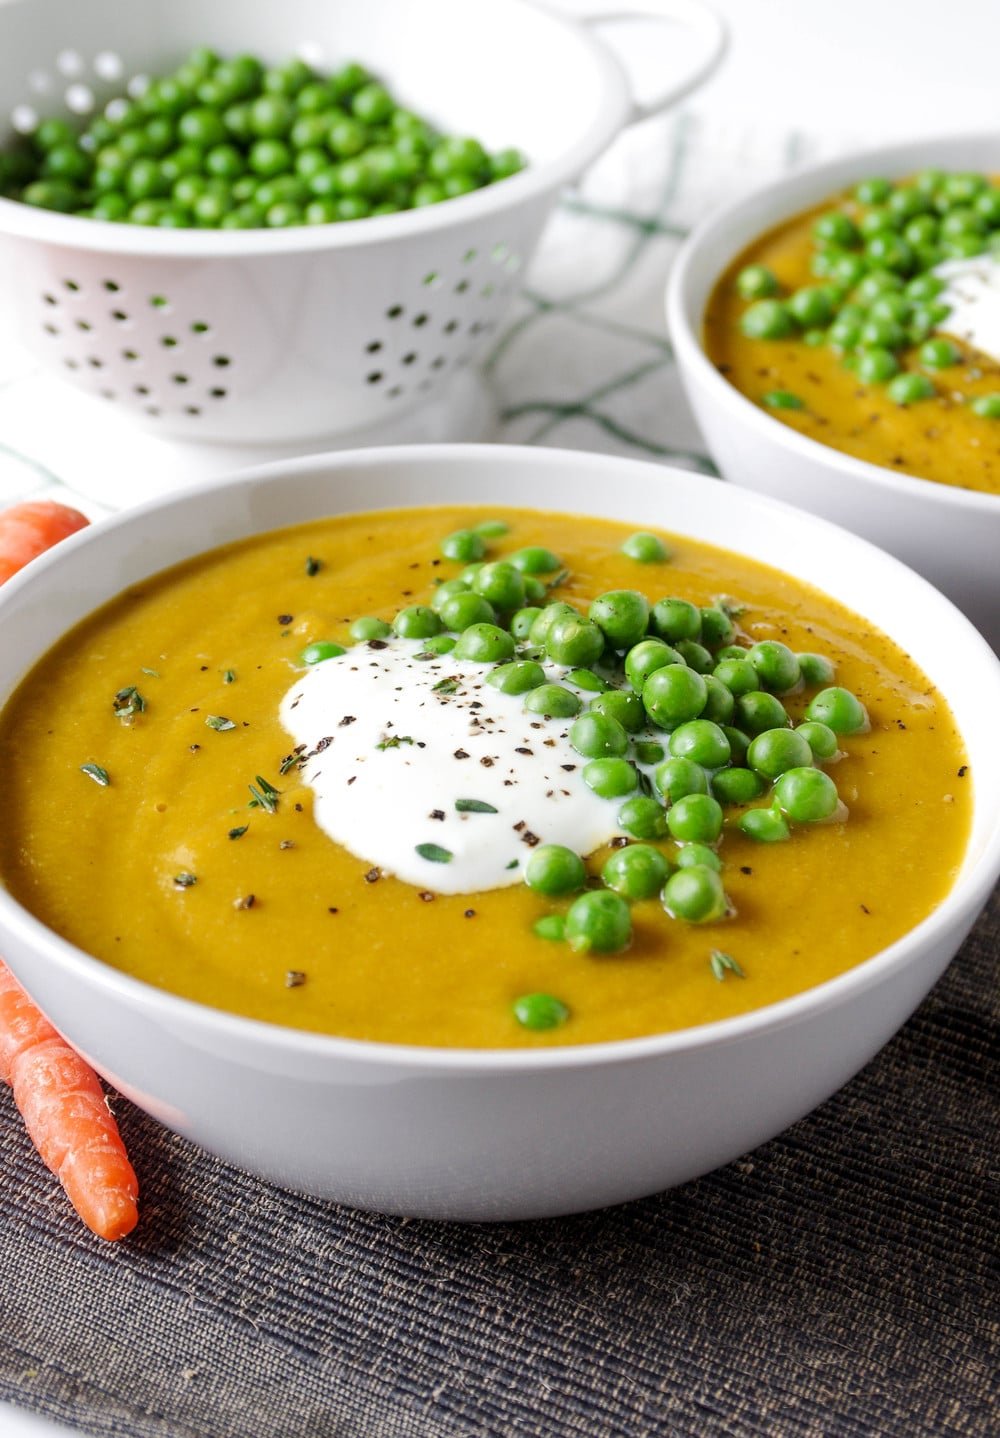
313	566
292	761
238	832
513	863
474	806
263	796
445	686
95	772
723	964
560	578
127	703
395	741
229	676
151	672
185	880
434	853
219	722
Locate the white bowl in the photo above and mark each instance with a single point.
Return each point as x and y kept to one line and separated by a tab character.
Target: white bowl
488	1134
950	535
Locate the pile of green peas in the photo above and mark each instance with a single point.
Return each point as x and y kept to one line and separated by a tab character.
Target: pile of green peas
878	301
676	714
235	144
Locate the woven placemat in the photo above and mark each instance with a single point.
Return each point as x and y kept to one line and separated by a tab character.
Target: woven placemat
840	1280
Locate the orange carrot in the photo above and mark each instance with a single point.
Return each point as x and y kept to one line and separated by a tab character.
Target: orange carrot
59	1096
28	529
66	1115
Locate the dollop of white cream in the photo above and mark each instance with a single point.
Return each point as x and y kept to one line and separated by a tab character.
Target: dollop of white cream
972	293
393	745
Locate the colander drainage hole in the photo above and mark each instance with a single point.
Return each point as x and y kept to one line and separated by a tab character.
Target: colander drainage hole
84	325
374	347
107	394
119	315
130	355
159	302
419	320
199	328
221	361
376	377
50	299
394	312
192	409
461	287
451	327
218	393
51	329
151	409
140	389
168	342
179	378
410	358
395	392
112	286
95	363
438	362
71	363
72	286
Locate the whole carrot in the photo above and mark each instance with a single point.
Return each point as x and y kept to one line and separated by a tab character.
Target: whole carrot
59	1096
66	1115
28	529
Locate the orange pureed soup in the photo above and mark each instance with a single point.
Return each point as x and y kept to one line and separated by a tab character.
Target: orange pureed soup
877	357
159	816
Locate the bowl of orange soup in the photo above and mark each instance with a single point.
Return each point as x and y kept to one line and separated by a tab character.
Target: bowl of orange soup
837	333
486	833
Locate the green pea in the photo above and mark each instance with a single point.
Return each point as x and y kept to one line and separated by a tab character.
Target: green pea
599	922
756	282
716	627
544	621
876	284
645	548
962	246
766	826
551	927
595	735
739	742
674	694
535	592
836	228
621	706
923	230
940	354
812	305
645	658
736	785
719	702
439	644
690	856
877	365
782	399
622	615
702	742
587	680
321	649
821	739
269	157
642	817
841	710
535	560
201	126
458	611
962	220
767	320
518	677
676	778
484	644
695	656
908	389
521	622
925	287
987	205
51	195
368	627
738	675
637	872
539	1012
775	664
695	895
552	869
844	333
646	752
806	796
816	669
573	640
777	750
673	619
492	528
501	584
447	591
848	270
611	778
759	711
929	181
554	701
882	334
986	406
464	546
416	621
696	818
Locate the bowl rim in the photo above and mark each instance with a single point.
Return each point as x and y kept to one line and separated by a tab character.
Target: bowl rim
959	907
782	194
609	113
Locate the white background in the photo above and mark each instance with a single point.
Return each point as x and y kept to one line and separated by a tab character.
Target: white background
856	71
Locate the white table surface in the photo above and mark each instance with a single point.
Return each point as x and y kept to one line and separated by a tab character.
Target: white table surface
847	74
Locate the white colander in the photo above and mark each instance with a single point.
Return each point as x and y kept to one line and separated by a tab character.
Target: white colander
284	335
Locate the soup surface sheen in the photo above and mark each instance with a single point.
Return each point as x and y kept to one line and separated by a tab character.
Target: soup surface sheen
329	943
940	438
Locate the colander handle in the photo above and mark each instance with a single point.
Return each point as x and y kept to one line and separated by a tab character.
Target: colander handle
694	16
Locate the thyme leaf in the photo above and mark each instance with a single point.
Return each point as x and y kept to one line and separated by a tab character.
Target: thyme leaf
723	964
444	686
434	853
185	880
394	741
239	831
95	772
474	806
263	795
229	676
127	703
219	722
313	566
